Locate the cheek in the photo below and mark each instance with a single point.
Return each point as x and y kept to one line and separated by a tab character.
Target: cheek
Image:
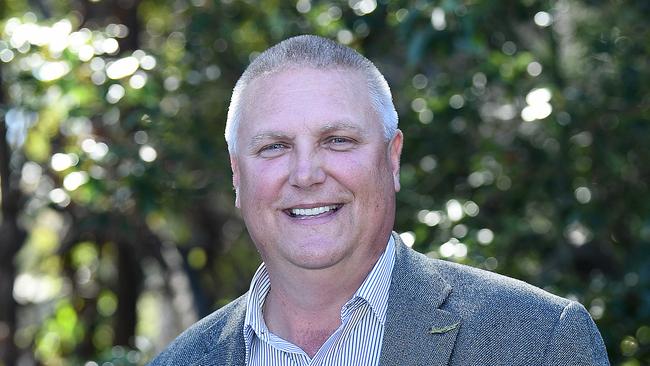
261	181
362	172
347	167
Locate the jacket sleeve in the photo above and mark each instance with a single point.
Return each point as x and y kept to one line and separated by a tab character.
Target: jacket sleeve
575	340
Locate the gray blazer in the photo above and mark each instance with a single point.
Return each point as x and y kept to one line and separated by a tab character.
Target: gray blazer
439	313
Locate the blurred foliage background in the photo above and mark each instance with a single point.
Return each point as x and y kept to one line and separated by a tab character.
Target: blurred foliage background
527	153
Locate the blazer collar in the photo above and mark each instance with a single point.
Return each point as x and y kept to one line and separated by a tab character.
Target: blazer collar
418	331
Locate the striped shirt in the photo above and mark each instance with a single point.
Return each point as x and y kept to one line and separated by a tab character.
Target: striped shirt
357	341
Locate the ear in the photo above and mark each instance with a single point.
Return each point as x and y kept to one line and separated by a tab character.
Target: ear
394	153
235	178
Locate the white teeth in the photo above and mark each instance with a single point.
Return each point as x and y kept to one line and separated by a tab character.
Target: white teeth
311	211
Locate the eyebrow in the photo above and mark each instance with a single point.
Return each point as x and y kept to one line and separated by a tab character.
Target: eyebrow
266	135
341	125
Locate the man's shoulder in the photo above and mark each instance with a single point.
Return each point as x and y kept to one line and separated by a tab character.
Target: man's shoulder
471	285
483	285
478	284
191	345
517	322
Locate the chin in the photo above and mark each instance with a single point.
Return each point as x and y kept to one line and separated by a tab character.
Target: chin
316	260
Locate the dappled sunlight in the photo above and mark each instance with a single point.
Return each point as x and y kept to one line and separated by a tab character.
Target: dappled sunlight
454	210
74	180
122	67
538	105
453	248
36	289
408	238
485	236
60	162
147	153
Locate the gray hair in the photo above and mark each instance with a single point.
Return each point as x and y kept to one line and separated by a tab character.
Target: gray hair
316	52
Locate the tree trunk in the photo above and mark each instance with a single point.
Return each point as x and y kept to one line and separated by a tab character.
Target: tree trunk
128	290
129	281
11	240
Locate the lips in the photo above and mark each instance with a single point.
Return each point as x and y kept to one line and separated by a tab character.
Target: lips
314	211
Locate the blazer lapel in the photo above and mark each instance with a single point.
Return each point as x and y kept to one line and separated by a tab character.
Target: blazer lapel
417	331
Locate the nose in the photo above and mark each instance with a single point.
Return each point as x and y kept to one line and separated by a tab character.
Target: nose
306	170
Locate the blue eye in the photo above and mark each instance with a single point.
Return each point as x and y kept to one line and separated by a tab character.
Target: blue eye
272	150
340	143
273	147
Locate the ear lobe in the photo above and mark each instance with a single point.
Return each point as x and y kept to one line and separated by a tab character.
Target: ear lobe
235	178
395	151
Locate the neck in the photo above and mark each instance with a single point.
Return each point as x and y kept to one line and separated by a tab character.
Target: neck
304	306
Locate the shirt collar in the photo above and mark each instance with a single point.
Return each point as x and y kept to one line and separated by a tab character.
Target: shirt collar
254	320
374	290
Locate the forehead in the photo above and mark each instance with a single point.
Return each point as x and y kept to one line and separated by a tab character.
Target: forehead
306	97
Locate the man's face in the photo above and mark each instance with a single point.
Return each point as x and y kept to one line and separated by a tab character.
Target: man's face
314	175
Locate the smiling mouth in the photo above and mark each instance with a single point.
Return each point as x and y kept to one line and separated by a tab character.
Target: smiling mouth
306	213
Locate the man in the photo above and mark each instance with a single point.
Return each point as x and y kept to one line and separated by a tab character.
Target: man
314	147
